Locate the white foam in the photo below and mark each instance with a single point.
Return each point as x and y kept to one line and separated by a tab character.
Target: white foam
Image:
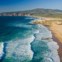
53	46
42	44
49	53
21	48
1	49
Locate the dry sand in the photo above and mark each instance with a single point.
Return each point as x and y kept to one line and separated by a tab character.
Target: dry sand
56	29
57	36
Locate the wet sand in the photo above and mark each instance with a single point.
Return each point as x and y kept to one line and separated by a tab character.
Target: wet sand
56	30
60	47
57	36
56	39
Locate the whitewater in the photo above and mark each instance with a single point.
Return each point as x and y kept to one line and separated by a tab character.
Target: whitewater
36	45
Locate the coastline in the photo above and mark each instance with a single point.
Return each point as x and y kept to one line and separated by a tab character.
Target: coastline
56	39
55	36
40	44
60	46
56	30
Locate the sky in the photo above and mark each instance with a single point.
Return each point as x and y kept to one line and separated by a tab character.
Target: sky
20	5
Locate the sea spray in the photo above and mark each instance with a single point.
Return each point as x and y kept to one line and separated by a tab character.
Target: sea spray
38	47
1	49
53	46
27	42
44	48
19	50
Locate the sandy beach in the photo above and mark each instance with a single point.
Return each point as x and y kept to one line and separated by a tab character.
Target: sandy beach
60	47
57	36
56	29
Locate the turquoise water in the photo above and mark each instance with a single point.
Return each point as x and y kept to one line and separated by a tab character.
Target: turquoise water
21	41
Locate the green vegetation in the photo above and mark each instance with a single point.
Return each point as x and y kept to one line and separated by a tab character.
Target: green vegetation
37	12
46	13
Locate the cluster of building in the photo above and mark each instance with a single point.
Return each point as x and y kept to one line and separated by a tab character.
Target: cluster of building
14	14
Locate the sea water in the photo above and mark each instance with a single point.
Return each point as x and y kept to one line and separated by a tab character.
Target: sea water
21	41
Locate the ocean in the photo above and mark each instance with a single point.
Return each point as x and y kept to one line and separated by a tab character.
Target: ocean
22	41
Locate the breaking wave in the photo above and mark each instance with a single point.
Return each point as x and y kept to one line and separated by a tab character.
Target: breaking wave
30	43
1	49
44	48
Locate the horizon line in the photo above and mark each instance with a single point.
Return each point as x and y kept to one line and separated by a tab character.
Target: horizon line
30	9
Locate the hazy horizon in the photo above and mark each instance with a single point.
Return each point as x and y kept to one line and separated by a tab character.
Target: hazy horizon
29	9
21	5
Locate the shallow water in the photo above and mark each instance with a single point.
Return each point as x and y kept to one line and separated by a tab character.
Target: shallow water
26	42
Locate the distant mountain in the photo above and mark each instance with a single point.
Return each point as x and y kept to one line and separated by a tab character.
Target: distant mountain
45	12
37	12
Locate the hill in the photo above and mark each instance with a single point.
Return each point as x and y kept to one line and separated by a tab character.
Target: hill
36	12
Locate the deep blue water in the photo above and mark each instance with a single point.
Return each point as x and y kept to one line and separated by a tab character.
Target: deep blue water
8	26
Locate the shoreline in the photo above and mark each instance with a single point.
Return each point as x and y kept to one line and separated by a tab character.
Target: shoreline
53	28
60	46
54	37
